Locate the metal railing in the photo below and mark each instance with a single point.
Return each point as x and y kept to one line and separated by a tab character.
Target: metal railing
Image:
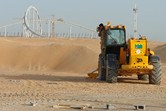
57	35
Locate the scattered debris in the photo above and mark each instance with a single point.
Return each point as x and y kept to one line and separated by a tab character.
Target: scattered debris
139	106
57	79
62	106
78	107
110	106
15	81
33	103
92	107
67	106
52	83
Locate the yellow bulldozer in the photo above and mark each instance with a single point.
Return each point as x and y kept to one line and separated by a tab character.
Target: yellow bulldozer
127	58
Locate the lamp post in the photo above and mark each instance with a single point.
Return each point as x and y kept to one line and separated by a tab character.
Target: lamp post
135	20
53	25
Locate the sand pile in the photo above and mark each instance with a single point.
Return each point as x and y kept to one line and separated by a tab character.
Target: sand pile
62	55
161	51
46	55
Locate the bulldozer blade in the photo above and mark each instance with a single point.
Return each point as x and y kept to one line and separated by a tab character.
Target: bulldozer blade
92	75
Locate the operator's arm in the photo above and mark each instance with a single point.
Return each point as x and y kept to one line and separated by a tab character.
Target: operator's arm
99	33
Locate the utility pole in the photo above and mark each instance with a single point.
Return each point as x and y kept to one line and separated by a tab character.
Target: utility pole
135	20
53	26
70	31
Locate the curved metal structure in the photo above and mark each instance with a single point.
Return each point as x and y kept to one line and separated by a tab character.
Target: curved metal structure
31	23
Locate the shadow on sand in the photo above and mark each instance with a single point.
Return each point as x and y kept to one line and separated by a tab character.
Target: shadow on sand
54	78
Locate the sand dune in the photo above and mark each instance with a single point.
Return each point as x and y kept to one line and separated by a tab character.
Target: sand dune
161	51
37	55
43	54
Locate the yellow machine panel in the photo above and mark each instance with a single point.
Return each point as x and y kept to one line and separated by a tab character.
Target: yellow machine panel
138	47
138	56
138	60
122	56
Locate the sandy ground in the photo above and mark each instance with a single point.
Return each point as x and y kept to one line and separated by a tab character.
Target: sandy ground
54	71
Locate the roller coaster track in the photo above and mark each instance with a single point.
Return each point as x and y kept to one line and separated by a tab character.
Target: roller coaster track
30	20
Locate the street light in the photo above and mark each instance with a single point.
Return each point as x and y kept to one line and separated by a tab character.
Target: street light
60	20
53	24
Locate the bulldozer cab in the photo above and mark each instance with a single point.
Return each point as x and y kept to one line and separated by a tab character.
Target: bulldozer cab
115	38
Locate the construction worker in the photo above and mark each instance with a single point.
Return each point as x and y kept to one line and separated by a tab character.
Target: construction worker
102	34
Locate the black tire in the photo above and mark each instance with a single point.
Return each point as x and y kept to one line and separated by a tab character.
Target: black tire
143	77
156	73
111	68
101	69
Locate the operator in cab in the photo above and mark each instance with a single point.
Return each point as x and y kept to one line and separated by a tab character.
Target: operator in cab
101	35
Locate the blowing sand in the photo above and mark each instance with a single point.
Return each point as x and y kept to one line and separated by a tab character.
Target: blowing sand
53	71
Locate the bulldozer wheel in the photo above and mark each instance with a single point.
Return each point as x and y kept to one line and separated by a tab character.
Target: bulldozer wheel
101	70
155	74
111	68
142	77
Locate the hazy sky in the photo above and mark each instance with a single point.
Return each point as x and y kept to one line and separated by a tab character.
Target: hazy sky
89	13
